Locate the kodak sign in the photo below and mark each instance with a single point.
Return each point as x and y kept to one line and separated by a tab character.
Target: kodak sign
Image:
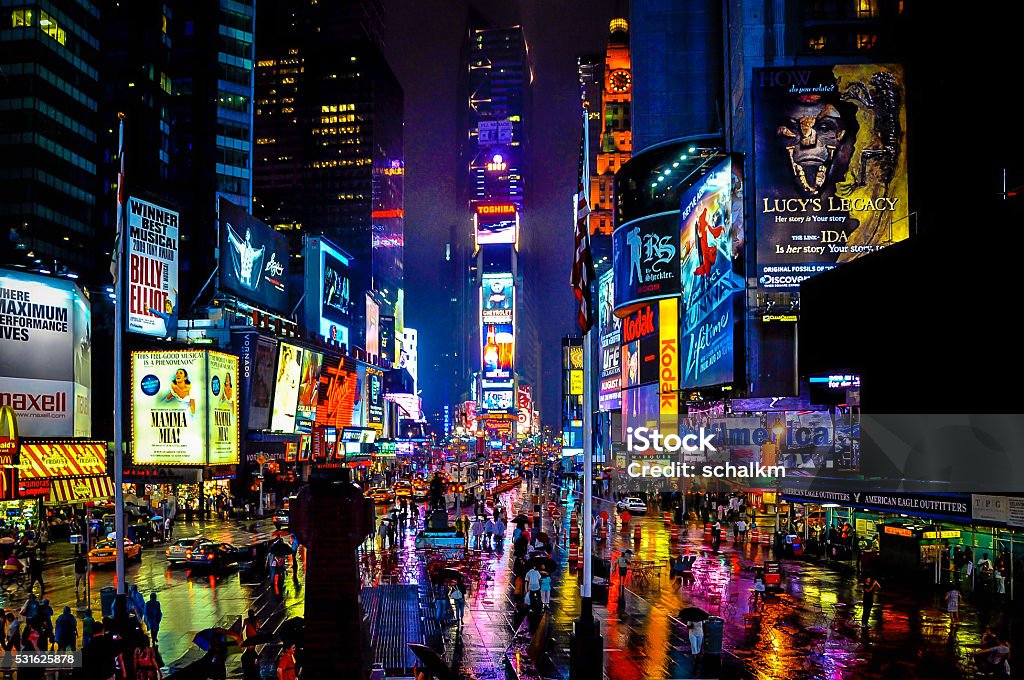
668	358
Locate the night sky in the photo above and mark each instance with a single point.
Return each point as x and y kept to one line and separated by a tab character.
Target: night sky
423	40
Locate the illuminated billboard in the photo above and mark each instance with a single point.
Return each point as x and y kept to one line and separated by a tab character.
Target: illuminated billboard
609	331
45	355
374	387
496	223
524	403
338	394
328	303
372	326
706	237
498	400
831	171
152	269
497	298
253	259
286	388
498	350
309	390
645	259
386	339
256	356
184	408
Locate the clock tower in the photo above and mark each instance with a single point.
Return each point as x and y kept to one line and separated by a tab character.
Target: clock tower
616	139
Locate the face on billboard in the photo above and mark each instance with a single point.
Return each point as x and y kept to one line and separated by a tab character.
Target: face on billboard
309	390
169	408
609	330
152	269
708	279
374	383
336	303
497	298
222	398
286	388
640	348
45	354
498	351
253	259
830	143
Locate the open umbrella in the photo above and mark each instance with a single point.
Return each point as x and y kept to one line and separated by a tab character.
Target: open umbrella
432	661
692	614
542	563
520	519
541	536
204	639
280	548
292	631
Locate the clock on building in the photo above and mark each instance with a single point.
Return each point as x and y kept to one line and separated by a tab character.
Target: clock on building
619	80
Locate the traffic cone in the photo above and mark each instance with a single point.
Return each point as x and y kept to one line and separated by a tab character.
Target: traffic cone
675	534
636	534
574	554
707	533
755	536
668	518
604	532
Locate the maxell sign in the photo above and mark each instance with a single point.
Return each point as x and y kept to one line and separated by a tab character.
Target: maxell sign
45	354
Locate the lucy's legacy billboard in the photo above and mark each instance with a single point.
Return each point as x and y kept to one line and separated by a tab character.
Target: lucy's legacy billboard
830	150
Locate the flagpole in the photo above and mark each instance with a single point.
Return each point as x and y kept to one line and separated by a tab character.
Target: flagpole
120	604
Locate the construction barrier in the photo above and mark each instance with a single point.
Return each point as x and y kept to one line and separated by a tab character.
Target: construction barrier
755	536
707	532
579	562
574	554
766	538
574	533
675	534
636	533
668	518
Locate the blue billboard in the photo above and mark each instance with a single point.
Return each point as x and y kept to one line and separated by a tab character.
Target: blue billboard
328	303
253	259
706	230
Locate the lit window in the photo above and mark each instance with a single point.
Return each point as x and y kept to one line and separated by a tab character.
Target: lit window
817	42
867	8
866	41
49	27
21	18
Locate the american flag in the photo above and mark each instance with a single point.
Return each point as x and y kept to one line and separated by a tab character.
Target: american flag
583	262
115	256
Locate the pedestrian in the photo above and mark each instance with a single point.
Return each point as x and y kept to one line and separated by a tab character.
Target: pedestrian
696	633
45	623
545	590
81	571
759	588
741	530
251	625
30	609
136	602
153	615
441	607
295	555
871	586
622	562
499	532
459	598
146	665
250	664
35	572
65	631
169	527
286	664
280	566
993	659
489	534
953	605
382	532
532	579
88	627
12	641
31	641
216	658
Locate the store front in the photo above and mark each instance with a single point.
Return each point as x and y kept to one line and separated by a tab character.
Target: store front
69	478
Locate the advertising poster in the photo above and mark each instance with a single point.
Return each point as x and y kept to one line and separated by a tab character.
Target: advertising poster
708	280
497	223
830	152
253	259
807	441
640	349
372	326
286	388
309	390
337	394
639	408
524	402
256	356
222	398
327	272
497	400
152	269
375	398
497	298
498	351
668	363
408	353
645	259
169	407
387	342
45	354
609	330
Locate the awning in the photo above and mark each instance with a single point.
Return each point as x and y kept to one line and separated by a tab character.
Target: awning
81	490
62	459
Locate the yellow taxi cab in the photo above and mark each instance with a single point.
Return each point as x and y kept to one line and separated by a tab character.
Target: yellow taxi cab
382	494
105	552
403	490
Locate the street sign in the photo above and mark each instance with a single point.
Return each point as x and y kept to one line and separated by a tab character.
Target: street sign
261	459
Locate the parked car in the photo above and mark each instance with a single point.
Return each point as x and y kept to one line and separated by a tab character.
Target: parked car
634	505
176	551
105	552
210	554
382	494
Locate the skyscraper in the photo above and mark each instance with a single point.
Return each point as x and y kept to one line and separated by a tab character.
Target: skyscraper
49	136
329	137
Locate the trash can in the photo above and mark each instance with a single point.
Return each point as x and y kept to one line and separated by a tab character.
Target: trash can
602	567
107	596
713	635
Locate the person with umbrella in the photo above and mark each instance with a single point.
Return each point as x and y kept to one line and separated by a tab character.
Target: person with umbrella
532	579
694	618
459	598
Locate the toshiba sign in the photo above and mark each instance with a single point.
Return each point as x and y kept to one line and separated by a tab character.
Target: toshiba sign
500	209
45	354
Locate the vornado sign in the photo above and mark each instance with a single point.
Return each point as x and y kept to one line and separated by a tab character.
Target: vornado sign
45	354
